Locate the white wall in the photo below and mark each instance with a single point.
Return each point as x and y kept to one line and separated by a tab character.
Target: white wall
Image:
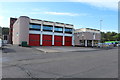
21	30
15	37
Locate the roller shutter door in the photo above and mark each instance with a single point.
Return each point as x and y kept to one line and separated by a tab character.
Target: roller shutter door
34	39
58	40
47	40
68	41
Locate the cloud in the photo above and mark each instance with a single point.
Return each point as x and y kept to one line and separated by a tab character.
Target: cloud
109	31
109	4
65	13
104	4
62	13
60	0
93	0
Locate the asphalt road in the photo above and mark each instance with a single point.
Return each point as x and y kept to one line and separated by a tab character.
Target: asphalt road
20	62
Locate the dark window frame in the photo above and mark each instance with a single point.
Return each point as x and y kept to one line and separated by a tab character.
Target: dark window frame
48	26
34	29
70	32
37	29
58	31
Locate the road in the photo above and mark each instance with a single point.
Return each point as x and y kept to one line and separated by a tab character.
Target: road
20	62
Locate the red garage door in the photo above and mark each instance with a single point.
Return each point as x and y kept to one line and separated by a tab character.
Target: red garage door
58	40
68	41
47	40
34	39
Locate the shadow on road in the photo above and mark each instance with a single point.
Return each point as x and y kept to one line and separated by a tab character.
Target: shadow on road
7	50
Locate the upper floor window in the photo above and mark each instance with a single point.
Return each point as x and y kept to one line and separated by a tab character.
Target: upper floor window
47	28
34	27
68	30
58	29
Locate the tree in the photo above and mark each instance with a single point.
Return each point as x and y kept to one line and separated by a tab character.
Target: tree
5	31
110	36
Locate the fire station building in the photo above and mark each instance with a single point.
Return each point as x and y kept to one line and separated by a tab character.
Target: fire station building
42	33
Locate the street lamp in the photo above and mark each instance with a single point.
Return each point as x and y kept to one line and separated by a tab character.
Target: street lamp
101	24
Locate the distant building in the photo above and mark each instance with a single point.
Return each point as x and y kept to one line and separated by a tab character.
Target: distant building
5	35
87	37
5	38
12	21
41	32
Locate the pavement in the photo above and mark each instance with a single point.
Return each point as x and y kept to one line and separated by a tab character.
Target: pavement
52	49
24	62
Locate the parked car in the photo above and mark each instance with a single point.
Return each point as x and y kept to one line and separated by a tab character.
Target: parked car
105	45
118	45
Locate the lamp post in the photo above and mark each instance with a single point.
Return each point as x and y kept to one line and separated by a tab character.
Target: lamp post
101	24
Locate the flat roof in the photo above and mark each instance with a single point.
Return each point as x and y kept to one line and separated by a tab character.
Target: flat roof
43	20
89	29
52	22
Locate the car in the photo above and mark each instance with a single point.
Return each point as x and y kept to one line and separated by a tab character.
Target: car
118	45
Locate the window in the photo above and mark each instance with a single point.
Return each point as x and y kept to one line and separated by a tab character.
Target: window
34	27
58	29
68	30
47	28
5	37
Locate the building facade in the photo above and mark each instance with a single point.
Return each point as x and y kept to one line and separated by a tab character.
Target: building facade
42	33
12	21
5	35
87	37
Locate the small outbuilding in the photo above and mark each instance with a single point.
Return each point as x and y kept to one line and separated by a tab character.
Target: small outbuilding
87	37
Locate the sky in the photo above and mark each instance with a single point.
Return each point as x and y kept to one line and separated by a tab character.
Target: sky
82	14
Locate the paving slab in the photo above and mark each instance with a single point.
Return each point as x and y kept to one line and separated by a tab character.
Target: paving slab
108	72
22	62
63	49
14	72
